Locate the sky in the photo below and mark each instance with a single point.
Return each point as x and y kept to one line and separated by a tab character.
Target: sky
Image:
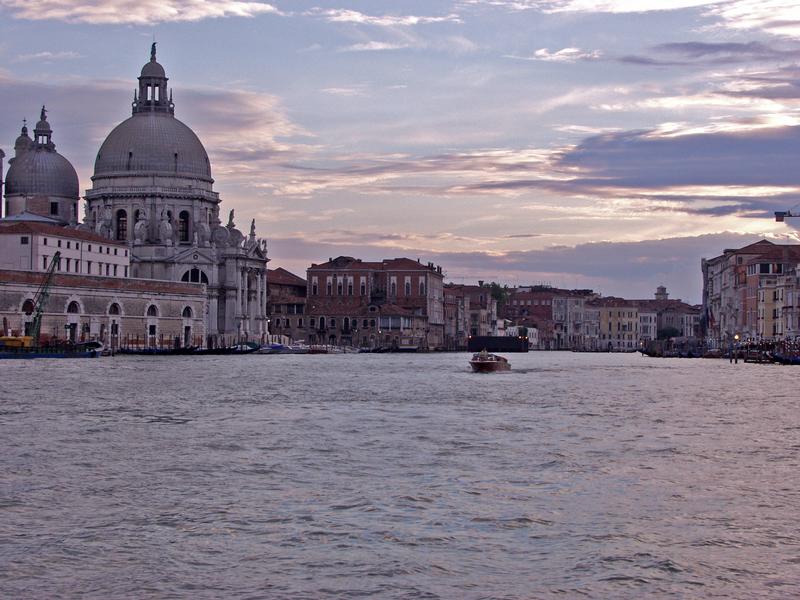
604	144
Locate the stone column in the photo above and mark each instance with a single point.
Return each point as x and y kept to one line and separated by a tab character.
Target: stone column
239	292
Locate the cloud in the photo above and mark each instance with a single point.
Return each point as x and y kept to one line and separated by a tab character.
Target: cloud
373	46
564	55
135	12
340	15
47	56
695	53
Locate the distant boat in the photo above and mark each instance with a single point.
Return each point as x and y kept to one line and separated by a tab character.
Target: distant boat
484	362
19	347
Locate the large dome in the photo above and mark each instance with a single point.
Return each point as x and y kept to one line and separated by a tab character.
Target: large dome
150	143
42	172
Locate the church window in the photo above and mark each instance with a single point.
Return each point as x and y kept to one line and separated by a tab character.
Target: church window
156	89
149	92
73	308
122	225
114	309
187	312
183	226
152	311
195	276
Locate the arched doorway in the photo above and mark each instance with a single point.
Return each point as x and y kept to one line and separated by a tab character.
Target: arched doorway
73	321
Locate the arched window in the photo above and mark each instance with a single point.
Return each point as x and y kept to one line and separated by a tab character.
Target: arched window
183	226
195	276
114	309
122	225
322	322
408	288
346	323
74	307
152	311
187	312
28	307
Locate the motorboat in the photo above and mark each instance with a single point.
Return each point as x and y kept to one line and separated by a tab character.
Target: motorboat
485	362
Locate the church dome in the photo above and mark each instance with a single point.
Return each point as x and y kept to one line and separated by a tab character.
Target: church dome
151	143
153	69
41	172
37	169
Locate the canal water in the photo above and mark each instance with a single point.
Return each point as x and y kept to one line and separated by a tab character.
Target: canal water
398	476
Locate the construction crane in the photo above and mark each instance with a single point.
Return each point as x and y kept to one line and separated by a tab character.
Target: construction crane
41	297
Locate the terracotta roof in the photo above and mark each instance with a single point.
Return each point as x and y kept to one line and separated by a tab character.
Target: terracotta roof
55	230
783	252
348	263
281	276
153	286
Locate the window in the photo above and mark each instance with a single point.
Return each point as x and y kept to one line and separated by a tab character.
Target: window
339	284
90	247
187	312
54	208
107	269
115	251
365	323
108	250
408	288
183	226
152	311
126	252
59	243
350	286
68	244
421	287
28	307
126	271
73	308
68	262
313	286
312	321
114	309
115	270
77	266
88	267
329	287
24	240
363	288
44	262
45	241
195	276
300	322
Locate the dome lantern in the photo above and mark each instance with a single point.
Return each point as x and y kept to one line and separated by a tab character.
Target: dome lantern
42	133
152	96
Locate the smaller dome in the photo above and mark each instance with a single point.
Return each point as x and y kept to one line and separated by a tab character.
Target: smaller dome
43	126
153	69
42	172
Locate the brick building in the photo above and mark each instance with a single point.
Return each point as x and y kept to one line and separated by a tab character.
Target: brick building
394	303
286	304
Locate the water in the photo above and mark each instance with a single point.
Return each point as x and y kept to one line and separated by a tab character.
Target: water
398	476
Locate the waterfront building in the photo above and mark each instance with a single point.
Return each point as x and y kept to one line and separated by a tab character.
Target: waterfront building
28	245
393	303
115	311
618	324
739	288
480	307
152	188
456	315
286	304
152	201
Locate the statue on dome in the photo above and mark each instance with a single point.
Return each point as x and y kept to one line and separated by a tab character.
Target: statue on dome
230	224
165	229
203	232
153	51
140	228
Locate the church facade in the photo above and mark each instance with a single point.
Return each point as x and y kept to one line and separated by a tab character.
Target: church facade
152	190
